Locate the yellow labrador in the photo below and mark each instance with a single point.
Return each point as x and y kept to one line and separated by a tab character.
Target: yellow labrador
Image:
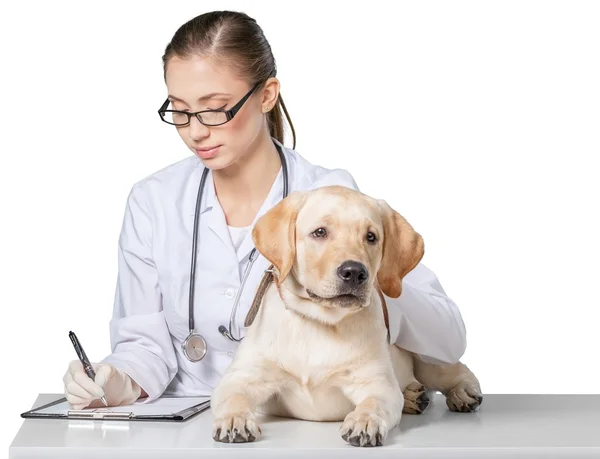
318	348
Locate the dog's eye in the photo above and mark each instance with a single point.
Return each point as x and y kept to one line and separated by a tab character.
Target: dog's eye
371	237
319	232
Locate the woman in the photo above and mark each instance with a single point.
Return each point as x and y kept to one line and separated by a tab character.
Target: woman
220	61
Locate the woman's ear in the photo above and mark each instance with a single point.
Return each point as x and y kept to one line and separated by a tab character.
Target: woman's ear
403	249
270	93
274	233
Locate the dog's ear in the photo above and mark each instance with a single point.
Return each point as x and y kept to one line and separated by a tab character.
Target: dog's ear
274	233
403	249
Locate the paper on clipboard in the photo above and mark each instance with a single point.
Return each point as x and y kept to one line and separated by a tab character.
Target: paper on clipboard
164	408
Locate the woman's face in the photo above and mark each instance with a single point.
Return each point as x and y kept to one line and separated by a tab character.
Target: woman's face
199	84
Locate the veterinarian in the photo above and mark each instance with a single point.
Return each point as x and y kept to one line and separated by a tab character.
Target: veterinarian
220	61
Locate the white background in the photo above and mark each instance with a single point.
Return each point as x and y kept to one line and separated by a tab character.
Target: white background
478	121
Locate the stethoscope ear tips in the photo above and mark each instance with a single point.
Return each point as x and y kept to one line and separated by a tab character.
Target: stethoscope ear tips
225	332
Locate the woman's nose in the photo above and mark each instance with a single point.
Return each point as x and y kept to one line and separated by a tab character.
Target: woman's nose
197	129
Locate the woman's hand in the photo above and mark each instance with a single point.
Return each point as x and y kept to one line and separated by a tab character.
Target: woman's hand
83	392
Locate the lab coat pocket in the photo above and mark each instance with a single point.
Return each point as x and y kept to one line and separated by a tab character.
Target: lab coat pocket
175	305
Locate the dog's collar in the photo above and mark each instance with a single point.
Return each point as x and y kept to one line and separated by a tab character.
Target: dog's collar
385	313
258	297
266	280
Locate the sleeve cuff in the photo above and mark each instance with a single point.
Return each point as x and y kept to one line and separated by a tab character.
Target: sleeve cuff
142	376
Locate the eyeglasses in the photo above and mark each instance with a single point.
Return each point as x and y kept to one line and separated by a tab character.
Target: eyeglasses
206	117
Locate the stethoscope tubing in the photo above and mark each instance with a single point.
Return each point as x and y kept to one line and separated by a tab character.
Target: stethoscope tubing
253	255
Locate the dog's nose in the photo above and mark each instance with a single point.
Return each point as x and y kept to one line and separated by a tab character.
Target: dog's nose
353	272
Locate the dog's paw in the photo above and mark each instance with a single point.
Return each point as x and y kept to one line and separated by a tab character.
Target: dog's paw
364	429
237	428
416	399
464	398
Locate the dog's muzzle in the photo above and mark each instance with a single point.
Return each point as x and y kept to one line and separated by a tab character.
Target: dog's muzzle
353	286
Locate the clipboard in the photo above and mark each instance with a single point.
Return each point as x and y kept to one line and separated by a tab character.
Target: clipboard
163	409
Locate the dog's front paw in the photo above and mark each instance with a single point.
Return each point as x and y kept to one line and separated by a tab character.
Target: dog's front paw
364	429
464	398
236	428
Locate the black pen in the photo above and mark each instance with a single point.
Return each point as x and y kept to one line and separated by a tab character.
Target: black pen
87	366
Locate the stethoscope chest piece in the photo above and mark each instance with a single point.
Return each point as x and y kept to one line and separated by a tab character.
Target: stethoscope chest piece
194	347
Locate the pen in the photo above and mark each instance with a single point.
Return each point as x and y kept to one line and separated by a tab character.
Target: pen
87	366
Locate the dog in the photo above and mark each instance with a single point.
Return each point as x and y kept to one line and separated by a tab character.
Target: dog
317	346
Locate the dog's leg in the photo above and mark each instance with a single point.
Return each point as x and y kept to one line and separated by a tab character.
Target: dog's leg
379	403
455	381
416	398
235	399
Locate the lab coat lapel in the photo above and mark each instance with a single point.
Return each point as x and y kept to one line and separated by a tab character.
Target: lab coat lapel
215	216
218	224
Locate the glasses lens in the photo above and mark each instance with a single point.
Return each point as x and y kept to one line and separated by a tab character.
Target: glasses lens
213	118
174	118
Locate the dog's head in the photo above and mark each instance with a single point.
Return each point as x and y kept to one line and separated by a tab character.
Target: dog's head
333	245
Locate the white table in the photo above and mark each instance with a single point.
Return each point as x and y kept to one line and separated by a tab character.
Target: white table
506	426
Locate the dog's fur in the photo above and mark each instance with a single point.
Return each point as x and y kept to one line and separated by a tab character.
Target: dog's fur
318	348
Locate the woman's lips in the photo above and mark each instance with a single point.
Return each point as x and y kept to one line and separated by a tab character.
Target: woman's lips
207	153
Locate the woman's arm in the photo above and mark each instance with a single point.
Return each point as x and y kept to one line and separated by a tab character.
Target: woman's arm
427	321
140	340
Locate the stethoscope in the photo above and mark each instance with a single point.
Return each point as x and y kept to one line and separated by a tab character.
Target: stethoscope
194	347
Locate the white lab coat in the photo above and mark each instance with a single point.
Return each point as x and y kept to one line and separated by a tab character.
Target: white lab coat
150	317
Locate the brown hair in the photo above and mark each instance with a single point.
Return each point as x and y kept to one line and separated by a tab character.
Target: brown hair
235	40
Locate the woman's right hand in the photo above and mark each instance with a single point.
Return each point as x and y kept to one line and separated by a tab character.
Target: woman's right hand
83	392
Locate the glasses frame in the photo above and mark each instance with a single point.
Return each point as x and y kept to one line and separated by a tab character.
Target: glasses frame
162	111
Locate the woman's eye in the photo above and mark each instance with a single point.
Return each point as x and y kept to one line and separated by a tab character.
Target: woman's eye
371	237
319	232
